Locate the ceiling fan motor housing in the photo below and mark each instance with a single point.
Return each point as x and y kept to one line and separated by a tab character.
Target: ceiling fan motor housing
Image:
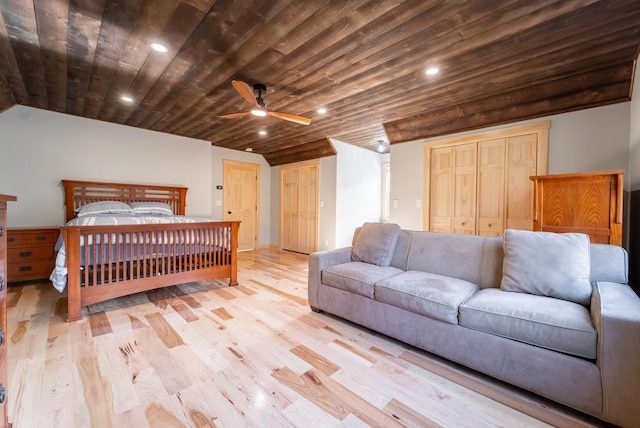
260	89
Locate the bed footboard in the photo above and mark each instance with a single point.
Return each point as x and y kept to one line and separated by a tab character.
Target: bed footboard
105	262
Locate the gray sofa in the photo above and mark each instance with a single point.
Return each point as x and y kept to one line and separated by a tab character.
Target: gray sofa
515	308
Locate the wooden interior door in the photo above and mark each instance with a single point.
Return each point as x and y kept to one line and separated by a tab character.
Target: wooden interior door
299	208
491	186
240	200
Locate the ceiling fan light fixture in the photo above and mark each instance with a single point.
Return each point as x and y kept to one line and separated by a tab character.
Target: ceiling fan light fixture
258	112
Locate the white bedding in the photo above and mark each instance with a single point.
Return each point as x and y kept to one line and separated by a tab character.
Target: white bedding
59	275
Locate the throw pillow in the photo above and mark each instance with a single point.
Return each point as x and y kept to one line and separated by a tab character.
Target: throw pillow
547	264
376	243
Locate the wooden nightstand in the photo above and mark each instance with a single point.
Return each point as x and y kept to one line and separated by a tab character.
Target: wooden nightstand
30	253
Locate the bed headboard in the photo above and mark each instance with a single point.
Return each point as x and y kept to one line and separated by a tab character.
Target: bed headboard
78	193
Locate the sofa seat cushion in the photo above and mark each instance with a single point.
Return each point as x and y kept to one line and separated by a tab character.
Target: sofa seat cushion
429	294
357	277
547	322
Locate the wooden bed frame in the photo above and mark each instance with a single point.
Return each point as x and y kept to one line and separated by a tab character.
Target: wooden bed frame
163	254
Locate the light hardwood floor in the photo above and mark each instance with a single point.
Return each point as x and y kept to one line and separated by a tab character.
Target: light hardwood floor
205	354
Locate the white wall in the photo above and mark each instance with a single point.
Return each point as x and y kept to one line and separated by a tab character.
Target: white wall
328	193
39	148
219	154
359	189
585	140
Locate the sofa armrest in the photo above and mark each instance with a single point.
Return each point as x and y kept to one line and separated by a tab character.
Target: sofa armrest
615	310
320	261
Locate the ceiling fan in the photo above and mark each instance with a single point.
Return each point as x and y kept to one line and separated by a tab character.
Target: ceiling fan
258	108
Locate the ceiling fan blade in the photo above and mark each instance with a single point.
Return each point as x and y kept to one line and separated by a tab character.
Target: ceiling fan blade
234	115
290	117
245	92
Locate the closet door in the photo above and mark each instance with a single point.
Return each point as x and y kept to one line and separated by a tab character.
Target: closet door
491	184
299	208
464	195
441	194
520	165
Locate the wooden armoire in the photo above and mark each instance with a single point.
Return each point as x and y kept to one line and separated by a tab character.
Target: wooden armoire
589	202
478	184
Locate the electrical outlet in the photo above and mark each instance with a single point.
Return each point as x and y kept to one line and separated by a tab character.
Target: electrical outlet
396	203
418	203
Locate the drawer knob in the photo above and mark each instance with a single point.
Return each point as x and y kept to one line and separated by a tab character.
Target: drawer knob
3	393
24	253
25	268
41	238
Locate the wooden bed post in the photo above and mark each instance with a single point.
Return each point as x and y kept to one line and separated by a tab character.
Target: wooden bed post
233	278
71	238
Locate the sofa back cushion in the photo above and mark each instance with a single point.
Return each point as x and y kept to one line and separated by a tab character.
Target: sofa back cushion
458	256
375	243
547	264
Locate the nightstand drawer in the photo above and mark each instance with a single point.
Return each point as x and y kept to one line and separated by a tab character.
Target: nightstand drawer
18	238
24	254
29	270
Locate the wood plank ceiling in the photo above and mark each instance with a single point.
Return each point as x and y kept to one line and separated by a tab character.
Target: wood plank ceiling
364	60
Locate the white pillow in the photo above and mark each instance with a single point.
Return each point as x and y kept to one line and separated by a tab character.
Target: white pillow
104	207
376	243
547	264
151	208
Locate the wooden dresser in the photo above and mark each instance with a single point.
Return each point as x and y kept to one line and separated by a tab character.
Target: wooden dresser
30	253
3	307
589	202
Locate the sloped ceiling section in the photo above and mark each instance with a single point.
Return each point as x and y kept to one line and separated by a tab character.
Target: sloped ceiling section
363	60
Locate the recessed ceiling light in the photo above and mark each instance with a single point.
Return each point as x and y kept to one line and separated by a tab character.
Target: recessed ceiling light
432	71
159	47
262	132
322	110
248	149
126	99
